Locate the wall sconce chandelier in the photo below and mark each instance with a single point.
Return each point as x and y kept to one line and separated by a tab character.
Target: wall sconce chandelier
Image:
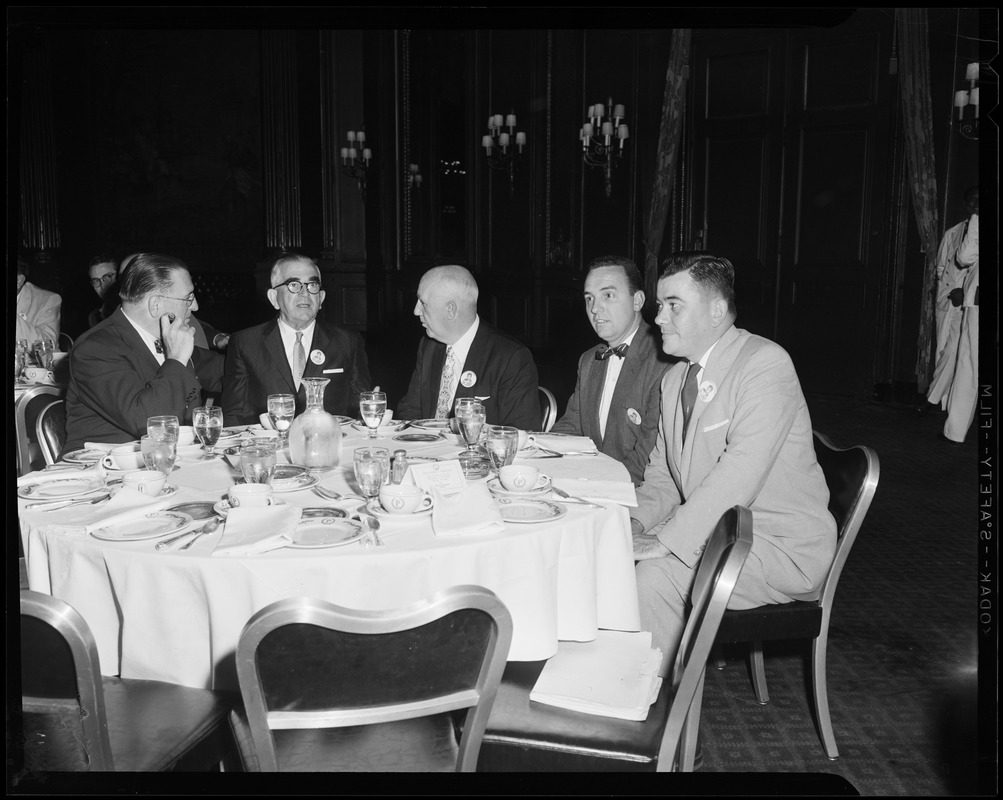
966	101
597	134
355	159
504	149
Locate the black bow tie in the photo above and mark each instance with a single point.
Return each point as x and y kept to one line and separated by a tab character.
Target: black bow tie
620	351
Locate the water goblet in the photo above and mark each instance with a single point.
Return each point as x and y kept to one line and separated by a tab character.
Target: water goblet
163	427
372	405
370	468
471	418
159	454
44	348
208	424
281	410
501	443
257	461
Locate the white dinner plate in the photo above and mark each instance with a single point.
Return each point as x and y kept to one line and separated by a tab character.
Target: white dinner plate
327	532
289	472
223	506
84	456
60	488
418	437
391	427
153	525
529	511
373	507
495	485
318	513
439	425
296	484
342	420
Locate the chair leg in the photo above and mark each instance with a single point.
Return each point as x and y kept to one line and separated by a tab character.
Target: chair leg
758	669
717	655
691	731
820	695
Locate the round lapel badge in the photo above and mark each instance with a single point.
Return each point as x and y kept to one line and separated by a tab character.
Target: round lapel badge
317	356
633	416
468	378
707	391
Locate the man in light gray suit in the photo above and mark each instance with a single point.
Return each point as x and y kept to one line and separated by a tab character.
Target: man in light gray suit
734	430
615	402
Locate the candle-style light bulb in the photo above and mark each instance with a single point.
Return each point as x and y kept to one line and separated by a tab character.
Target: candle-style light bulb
351	136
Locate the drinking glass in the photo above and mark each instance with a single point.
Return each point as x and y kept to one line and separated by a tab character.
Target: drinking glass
165	427
18	365
501	442
281	410
371	469
44	348
470	417
208	424
257	461
159	454
372	405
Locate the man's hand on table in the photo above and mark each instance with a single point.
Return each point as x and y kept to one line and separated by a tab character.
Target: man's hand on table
646	545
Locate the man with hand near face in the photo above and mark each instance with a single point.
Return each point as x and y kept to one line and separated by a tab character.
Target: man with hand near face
465	357
140	361
734	430
273	358
615	402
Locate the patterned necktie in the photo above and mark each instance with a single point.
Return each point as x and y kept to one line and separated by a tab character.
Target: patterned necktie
159	344
442	408
689	395
299	356
620	351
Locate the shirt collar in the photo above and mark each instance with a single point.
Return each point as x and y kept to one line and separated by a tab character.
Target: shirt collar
462	345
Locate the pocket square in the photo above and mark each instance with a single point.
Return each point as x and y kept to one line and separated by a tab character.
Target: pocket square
331	371
716	425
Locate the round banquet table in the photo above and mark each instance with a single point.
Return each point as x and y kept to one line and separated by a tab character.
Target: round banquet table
176	616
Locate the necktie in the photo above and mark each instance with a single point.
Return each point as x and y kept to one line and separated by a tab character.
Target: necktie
299	356
620	351
689	395
442	407
159	344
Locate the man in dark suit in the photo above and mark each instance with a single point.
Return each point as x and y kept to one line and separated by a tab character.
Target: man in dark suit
139	362
615	402
274	357
465	357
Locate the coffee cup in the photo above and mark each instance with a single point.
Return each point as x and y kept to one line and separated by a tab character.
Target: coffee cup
520	478
125	456
145	481
38	375
251	495
523	439
186	435
404	498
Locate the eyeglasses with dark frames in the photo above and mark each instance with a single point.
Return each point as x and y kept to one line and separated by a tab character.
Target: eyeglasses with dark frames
104	279
295	285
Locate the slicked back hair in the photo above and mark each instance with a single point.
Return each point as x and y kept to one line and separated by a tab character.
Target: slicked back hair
635	282
289	258
715	275
147	273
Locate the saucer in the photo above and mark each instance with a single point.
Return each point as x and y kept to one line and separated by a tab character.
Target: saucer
373	507
222	508
496	487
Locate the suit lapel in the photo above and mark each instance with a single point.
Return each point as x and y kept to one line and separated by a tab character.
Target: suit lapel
275	351
131	337
433	375
320	342
592	385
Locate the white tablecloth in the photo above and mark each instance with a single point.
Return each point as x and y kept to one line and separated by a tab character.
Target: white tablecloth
177	616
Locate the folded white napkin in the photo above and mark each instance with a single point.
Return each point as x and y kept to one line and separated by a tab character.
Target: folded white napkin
599	491
256	530
566	445
206	476
126	506
613	676
105	446
471	511
43	476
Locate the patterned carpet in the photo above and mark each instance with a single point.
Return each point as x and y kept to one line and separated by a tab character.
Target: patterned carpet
902	646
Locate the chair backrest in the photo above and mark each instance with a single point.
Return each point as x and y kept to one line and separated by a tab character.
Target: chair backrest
309	663
65	341
851	474
61	694
718	571
548	409
26	410
50	430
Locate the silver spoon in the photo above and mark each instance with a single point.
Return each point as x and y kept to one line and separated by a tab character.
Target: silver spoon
168	542
327	494
209	528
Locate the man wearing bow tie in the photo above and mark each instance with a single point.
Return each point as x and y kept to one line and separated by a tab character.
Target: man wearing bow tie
615	402
734	430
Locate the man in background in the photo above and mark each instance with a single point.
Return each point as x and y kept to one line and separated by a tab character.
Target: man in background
102	271
275	357
615	402
464	357
38	311
965	385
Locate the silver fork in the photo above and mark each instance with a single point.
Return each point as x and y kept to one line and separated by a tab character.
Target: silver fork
208	528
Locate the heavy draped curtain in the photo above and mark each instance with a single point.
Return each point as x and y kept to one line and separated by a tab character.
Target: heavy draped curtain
914	79
668	148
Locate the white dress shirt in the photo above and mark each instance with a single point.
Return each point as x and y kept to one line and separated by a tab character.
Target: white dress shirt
288	335
613	366
461	347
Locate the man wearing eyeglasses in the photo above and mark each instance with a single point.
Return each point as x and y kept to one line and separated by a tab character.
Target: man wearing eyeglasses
103	275
139	362
274	357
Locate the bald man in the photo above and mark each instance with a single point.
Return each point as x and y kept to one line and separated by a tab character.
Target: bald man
462	356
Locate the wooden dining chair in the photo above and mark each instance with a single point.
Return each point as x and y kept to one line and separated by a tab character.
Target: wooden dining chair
526	736
50	430
26	411
548	409
75	719
852	477
330	689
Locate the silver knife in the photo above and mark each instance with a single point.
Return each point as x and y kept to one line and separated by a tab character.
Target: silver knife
204	529
55	505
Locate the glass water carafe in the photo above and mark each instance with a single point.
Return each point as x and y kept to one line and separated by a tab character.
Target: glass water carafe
315	435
